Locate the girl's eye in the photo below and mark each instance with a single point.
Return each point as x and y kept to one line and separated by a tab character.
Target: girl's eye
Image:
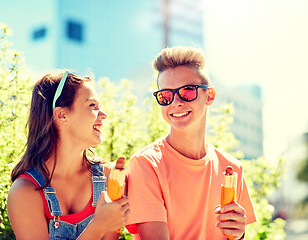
92	105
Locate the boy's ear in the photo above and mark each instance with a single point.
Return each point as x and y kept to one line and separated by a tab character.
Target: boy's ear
59	114
211	96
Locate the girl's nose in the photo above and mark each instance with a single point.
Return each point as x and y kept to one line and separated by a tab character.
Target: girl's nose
102	114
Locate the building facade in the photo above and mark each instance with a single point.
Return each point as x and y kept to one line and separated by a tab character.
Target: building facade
247	119
119	39
116	38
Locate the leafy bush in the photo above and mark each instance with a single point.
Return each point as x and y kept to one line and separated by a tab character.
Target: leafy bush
6	231
14	96
262	176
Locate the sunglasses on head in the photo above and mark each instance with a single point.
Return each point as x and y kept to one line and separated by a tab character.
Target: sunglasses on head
187	93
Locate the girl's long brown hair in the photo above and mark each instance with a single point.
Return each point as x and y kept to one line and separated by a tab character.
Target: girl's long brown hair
42	132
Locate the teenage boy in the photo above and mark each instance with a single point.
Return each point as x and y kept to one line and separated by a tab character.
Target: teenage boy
174	183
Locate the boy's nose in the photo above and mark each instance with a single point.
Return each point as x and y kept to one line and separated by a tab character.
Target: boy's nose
177	100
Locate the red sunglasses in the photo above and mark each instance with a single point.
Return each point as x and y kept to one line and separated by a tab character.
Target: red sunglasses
187	93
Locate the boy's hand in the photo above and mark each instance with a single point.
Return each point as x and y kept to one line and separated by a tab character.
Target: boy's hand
231	219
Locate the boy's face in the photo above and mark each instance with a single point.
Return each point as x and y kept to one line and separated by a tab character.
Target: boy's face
180	114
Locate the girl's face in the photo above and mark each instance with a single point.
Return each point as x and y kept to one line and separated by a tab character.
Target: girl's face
179	114
85	119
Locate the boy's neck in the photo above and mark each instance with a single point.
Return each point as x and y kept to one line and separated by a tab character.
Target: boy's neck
190	145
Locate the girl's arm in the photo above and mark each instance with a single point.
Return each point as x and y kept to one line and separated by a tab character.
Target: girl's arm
26	211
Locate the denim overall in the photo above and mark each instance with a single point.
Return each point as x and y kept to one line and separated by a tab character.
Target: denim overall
59	230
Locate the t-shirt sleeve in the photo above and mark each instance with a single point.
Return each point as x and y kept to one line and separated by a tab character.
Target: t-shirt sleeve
144	194
245	201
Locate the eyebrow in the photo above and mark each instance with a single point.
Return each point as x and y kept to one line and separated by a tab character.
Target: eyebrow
91	99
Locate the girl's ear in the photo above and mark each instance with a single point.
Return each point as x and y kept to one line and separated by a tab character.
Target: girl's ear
59	114
211	96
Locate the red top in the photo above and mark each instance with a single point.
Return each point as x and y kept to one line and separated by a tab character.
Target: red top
70	218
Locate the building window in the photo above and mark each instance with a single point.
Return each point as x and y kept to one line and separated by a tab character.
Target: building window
74	31
39	33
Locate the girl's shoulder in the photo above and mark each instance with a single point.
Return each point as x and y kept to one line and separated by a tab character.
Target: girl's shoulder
26	209
24	194
22	186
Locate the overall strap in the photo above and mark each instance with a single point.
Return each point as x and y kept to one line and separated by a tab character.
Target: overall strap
98	181
53	202
49	192
37	176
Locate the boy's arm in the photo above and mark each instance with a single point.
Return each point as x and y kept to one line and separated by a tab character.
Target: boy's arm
153	231
145	198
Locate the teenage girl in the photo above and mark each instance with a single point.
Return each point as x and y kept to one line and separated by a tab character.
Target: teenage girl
57	185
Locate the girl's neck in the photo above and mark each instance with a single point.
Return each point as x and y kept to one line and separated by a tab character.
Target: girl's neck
69	161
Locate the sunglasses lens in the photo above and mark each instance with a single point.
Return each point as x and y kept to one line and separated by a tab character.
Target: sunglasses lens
164	97
188	93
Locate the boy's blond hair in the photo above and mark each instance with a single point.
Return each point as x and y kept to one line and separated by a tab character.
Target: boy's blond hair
182	56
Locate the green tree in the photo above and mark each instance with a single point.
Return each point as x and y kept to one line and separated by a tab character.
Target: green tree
302	176
302	167
123	129
14	94
219	133
262	176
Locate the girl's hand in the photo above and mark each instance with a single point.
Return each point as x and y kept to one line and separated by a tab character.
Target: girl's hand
231	219
112	215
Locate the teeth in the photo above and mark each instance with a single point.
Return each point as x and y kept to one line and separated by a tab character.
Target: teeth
97	128
180	114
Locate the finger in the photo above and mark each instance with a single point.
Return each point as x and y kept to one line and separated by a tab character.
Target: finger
102	197
122	201
126	214
231	225
232	216
232	232
125	207
217	209
231	228
235	207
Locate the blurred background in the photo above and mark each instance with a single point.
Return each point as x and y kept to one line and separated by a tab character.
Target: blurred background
256	54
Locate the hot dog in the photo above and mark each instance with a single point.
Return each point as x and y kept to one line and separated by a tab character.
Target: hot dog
116	181
228	189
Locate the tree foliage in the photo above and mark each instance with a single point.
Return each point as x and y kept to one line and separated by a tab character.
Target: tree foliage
14	96
302	167
130	126
262	176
